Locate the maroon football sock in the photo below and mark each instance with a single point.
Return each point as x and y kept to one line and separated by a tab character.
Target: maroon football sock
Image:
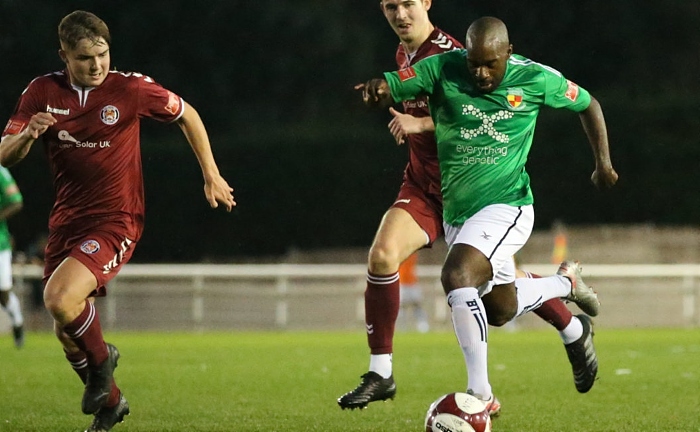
86	332
113	398
381	310
78	361
554	311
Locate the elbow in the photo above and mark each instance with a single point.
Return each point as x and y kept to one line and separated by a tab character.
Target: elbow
594	105
6	159
594	112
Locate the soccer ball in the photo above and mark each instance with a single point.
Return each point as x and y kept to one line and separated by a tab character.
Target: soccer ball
457	412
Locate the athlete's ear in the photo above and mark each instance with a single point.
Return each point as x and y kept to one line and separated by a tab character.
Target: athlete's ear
62	54
427	4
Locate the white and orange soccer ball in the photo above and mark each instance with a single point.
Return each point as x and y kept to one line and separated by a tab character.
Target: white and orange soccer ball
457	412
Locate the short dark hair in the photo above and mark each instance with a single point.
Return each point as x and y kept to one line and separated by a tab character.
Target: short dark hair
79	25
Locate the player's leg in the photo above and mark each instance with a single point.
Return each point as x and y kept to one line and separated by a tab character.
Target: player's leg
576	331
507	301
567	283
398	236
480	250
555	312
465	270
9	300
72	278
75	356
65	297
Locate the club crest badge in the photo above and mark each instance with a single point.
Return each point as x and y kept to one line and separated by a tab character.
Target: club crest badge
515	98
109	115
90	247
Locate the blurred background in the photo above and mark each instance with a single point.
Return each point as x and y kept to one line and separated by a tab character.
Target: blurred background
311	167
314	170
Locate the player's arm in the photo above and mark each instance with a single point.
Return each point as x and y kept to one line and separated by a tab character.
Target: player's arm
10	210
402	85
216	189
594	125
403	124
14	148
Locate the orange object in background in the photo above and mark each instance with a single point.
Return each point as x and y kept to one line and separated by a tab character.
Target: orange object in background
559	251
407	270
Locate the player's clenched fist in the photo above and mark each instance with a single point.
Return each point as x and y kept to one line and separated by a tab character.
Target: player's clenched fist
39	123
604	177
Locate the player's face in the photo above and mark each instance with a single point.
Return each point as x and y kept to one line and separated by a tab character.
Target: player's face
87	63
487	64
408	18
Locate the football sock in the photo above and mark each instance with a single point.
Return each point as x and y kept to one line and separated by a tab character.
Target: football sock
572	332
381	310
13	310
381	364
554	311
532	293
471	329
113	398
86	333
78	361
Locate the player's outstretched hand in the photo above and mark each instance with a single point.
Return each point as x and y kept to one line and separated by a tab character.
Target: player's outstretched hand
375	92
218	192
604	177
405	124
39	123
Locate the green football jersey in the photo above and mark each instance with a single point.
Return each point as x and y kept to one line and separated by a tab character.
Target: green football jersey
483	139
9	193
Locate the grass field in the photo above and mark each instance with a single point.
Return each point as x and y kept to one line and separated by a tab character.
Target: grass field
649	380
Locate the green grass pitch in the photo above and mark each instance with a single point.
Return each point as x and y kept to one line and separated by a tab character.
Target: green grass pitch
649	380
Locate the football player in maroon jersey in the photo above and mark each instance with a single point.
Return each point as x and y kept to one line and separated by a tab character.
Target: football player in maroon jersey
414	221
89	119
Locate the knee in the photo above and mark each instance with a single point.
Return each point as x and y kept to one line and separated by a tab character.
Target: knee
383	259
453	277
500	316
54	302
500	306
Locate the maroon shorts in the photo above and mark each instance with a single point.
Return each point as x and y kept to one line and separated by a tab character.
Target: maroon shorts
424	208
103	249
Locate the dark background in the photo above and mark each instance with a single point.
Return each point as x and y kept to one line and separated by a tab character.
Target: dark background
311	167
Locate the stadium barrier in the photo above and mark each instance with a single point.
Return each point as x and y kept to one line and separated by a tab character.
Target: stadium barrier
330	296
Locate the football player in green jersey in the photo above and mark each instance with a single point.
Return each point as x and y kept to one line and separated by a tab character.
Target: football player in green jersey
484	102
10	204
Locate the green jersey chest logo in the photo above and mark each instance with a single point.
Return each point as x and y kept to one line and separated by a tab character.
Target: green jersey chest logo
487	126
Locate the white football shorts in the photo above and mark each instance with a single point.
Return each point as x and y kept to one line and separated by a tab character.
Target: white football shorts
6	270
499	231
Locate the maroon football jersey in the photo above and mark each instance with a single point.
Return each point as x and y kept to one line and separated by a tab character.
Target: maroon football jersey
423	168
94	148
